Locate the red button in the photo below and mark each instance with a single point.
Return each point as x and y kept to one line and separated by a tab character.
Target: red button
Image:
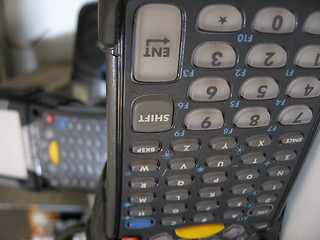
130	238
49	118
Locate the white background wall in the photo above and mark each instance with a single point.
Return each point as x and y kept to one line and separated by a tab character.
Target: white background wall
40	31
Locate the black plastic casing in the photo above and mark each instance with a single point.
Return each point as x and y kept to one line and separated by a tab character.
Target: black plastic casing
116	31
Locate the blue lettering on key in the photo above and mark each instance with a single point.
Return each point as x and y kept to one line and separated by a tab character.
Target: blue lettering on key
241	72
290	72
267	163
245	38
272	128
255	193
200	169
183	105
188	73
234	104
280	102
140	223
167	155
179	134
126	205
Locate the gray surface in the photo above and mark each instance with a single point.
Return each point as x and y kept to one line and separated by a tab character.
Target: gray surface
302	214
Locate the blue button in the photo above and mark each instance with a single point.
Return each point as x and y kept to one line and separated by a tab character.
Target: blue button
140	223
62	123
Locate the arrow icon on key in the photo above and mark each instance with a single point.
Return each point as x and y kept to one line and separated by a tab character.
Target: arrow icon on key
164	41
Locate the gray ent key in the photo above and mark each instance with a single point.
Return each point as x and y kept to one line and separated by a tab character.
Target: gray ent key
157	43
185	145
295	115
152	113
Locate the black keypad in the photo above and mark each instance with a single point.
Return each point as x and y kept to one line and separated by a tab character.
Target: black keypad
229	139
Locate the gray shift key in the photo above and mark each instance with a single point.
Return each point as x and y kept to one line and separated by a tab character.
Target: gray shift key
152	113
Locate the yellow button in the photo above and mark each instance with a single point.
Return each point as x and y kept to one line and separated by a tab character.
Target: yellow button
199	231
54	152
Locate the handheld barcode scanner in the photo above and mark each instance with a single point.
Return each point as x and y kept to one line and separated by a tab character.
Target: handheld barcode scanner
212	107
